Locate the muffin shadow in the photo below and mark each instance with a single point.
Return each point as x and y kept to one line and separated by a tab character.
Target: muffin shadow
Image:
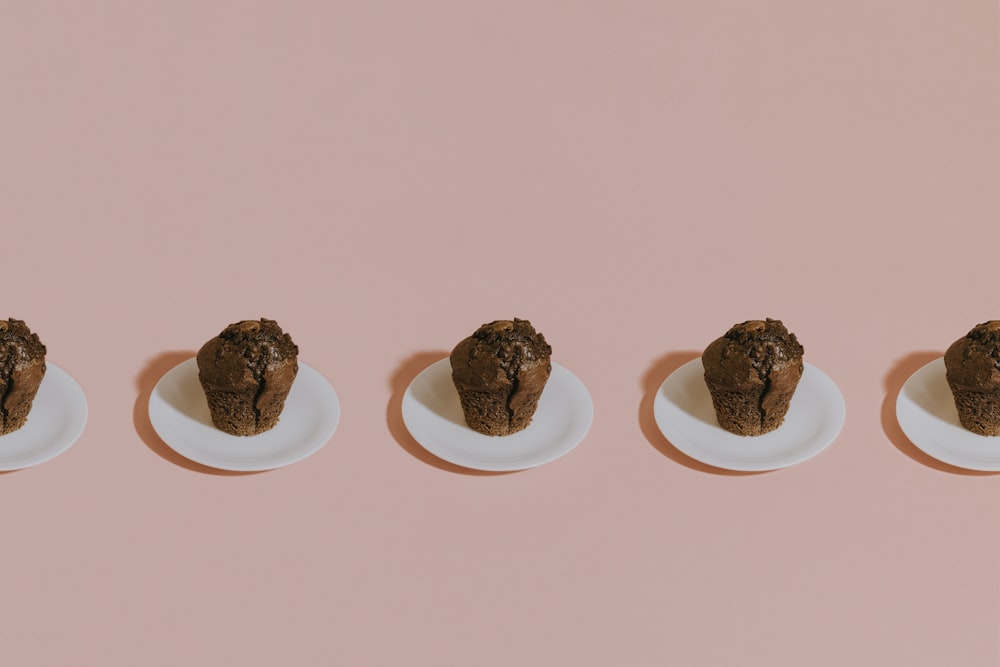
407	370
651	382
894	381
146	381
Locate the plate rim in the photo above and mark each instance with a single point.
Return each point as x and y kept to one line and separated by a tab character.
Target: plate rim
805	453
219	463
576	386
905	405
71	388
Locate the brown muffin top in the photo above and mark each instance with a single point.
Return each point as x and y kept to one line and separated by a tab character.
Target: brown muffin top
497	352
753	353
973	361
244	352
18	347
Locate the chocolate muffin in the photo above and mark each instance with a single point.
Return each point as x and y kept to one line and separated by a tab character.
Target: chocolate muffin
500	372
751	373
972	367
22	367
247	372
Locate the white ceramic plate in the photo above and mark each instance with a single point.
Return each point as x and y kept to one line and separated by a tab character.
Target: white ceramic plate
927	414
179	413
684	412
433	415
58	415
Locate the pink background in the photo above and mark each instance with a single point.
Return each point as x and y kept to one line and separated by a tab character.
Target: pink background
382	178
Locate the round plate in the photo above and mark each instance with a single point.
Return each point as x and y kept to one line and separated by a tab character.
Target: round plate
927	414
684	412
433	415
179	413
58	415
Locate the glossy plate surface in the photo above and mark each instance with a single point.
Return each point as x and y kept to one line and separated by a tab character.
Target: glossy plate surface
685	415
433	415
58	415
179	413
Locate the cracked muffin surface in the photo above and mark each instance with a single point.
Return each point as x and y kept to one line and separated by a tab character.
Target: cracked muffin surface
247	372
752	372
22	367
500	372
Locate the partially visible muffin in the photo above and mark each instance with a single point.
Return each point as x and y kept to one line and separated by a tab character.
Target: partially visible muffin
22	367
752	372
247	372
972	368
500	372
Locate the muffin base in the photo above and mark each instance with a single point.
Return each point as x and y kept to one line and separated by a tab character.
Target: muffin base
749	412
17	394
978	411
489	412
15	418
235	412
